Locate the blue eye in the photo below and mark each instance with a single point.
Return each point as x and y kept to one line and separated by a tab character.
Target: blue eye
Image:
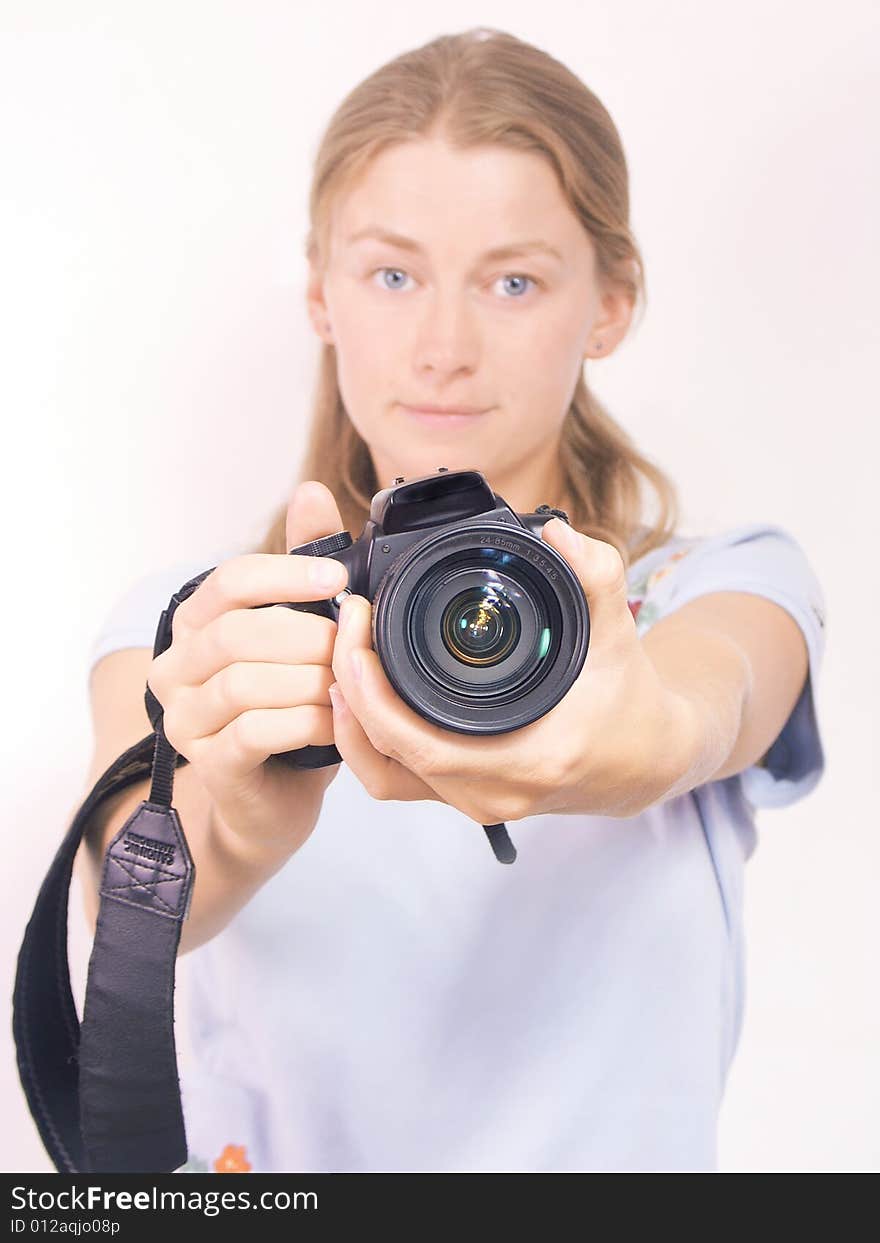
518	276
399	272
510	276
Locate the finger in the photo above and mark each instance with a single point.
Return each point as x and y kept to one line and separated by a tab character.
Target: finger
392	727
250	739
253	579
602	574
256	579
312	513
381	776
201	711
271	635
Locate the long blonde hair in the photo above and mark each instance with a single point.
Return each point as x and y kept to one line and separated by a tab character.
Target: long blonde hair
487	86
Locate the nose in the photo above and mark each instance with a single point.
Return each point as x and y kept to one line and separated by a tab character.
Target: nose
447	338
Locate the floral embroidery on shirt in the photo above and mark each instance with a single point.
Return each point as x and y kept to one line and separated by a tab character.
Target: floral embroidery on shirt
645	611
232	1160
664	569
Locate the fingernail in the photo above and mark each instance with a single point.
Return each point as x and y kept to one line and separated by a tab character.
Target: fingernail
566	536
338	700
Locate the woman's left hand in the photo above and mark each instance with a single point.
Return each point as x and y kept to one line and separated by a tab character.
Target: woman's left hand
616	743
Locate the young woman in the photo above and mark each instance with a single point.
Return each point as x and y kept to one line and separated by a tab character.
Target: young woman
369	989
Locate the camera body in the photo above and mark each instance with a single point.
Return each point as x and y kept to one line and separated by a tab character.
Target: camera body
479	624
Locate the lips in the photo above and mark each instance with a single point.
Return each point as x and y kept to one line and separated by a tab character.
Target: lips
445	422
428	409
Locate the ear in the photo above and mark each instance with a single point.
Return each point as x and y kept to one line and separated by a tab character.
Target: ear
611	324
316	304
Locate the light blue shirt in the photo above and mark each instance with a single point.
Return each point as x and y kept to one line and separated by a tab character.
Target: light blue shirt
396	1000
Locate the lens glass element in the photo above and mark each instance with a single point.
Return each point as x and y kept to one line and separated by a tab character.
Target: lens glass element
480	626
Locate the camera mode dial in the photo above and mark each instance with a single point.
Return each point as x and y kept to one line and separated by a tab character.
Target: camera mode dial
326	546
556	513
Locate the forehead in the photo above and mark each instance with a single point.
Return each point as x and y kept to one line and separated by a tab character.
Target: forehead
432	191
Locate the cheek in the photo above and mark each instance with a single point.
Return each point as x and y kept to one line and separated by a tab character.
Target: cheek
365	353
358	330
368	368
540	367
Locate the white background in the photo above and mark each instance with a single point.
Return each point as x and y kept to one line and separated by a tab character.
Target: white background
158	364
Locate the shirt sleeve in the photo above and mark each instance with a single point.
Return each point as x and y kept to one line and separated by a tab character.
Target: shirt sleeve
133	619
768	561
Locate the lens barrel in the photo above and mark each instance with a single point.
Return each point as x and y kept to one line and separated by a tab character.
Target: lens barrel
481	628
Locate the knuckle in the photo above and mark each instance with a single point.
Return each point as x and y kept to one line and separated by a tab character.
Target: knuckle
197	749
230	581
384	747
481	814
156	676
471	811
475	808
225	579
243	734
180	624
506	809
423	761
611	570
509	806
561	770
377	788
521	810
172	725
231	691
224	633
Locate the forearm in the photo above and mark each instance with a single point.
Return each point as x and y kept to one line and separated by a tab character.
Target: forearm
711	679
229	870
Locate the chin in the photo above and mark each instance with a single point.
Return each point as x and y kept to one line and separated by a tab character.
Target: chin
427	461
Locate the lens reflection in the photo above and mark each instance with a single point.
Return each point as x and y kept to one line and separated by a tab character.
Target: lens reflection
480	626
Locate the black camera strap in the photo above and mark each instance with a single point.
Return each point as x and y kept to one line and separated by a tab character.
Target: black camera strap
106	1096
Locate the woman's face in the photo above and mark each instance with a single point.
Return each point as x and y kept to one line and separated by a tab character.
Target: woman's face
434	317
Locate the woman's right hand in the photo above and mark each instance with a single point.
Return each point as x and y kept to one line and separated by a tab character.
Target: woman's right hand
239	684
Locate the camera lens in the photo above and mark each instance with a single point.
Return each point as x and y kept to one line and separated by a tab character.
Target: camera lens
480	626
477	626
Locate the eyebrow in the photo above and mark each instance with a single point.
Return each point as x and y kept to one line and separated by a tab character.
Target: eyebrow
497	252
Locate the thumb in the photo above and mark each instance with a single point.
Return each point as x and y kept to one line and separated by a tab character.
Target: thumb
602	574
311	514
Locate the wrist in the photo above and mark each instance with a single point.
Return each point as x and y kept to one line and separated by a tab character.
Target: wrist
681	746
708	682
243	849
706	731
261	837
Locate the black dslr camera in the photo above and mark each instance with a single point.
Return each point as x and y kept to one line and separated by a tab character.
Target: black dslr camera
480	625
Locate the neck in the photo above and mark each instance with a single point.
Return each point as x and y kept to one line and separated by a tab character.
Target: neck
523	485
524	491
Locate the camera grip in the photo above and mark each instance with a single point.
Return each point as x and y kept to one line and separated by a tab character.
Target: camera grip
309	757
